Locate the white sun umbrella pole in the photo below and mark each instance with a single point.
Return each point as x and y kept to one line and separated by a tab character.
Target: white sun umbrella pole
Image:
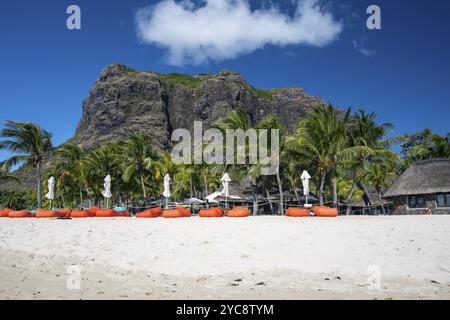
166	192
305	182
107	191
51	190
225	191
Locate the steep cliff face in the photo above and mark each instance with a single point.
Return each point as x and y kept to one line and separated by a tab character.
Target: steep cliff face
123	101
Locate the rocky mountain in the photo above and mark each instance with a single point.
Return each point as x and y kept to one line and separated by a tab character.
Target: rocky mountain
123	101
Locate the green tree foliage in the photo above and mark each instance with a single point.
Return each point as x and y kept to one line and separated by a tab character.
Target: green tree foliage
30	144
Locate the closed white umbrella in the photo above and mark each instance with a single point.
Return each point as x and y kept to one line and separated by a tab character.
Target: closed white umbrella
305	182
225	191
166	192
51	190
107	191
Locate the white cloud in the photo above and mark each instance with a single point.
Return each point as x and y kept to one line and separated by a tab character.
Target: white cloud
224	29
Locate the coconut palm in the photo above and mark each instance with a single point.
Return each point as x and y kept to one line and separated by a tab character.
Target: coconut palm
364	131
138	155
13	199
431	146
380	175
272	123
100	163
5	175
31	144
161	166
322	139
66	169
235	120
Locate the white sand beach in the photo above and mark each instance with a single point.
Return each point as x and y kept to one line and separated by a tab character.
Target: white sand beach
252	258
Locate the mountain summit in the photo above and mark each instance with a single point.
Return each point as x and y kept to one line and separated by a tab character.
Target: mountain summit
123	101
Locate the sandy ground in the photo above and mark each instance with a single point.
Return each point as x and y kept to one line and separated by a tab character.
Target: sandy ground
404	257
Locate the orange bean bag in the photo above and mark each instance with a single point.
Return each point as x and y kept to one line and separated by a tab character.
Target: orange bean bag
152	213
93	211
105	213
326	212
41	213
64	212
238	212
316	208
174	214
5	213
20	214
185	210
297	212
125	213
211	213
81	214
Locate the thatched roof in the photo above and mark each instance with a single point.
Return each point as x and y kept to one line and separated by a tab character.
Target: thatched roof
422	177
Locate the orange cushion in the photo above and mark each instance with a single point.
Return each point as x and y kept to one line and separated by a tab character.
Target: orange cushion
64	212
93	211
326	212
41	213
211	213
315	208
4	213
152	213
238	212
174	214
20	214
297	212
125	213
185	210
105	213
81	214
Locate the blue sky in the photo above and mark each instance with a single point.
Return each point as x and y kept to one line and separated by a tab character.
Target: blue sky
47	70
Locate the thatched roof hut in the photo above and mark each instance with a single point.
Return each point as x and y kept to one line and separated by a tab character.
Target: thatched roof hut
422	177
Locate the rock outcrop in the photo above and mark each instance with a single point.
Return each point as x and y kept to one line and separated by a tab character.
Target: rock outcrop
123	101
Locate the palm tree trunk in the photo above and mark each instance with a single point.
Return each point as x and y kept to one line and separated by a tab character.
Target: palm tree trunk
268	199
349	198
322	186
280	190
381	202
144	193
366	196
39	187
81	197
63	200
335	191
205	181
255	202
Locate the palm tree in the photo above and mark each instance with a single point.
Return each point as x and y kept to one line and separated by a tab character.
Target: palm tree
272	123
5	175
68	168
364	131
435	146
322	138
138	154
380	175
237	119
13	199
32	146
100	163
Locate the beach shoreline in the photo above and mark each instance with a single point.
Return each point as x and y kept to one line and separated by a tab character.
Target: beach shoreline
253	258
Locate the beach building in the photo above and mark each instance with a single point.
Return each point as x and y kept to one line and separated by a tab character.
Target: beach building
425	184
